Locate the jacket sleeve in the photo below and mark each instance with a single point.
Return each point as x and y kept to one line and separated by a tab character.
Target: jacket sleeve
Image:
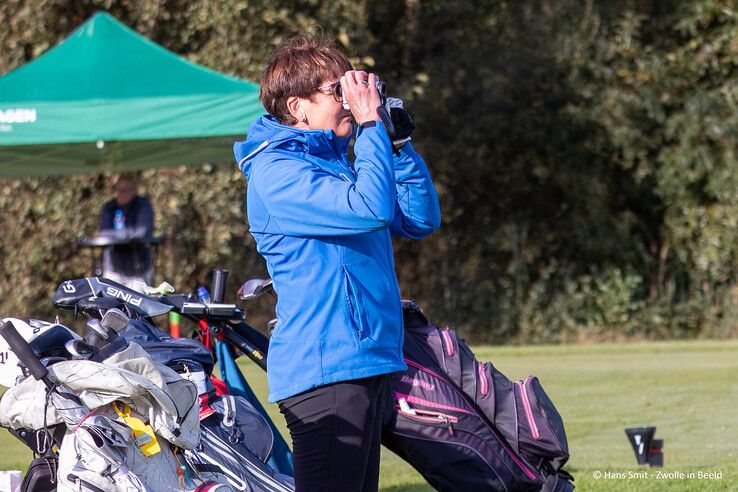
303	200
417	212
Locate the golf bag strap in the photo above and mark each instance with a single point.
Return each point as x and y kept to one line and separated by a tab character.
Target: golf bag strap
38	440
207	468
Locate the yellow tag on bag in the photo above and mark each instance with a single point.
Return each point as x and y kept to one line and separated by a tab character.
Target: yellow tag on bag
143	434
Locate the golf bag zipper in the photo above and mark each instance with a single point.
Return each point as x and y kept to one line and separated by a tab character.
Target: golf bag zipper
427	416
484	385
447	342
83	485
527	407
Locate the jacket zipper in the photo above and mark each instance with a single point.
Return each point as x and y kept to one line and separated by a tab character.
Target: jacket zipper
353	313
504	445
528	410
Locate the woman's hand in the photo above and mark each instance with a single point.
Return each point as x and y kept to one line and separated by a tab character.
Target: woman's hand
360	92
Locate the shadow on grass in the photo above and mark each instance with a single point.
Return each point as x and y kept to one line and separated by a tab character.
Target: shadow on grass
407	488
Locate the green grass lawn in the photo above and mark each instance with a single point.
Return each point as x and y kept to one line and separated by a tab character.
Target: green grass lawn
688	390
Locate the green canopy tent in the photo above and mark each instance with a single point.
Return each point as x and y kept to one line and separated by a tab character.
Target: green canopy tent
108	99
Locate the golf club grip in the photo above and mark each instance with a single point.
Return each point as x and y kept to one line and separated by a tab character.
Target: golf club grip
220	281
23	351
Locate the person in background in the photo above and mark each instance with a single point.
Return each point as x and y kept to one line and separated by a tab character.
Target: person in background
127	217
324	226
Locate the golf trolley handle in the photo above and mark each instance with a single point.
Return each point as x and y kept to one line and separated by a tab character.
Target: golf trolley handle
25	354
245	346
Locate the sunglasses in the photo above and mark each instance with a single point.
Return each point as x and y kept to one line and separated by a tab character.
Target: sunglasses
334	89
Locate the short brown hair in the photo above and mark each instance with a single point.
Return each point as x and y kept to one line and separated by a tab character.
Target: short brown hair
130	178
296	68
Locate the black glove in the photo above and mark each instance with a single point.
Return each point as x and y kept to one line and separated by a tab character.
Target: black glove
403	125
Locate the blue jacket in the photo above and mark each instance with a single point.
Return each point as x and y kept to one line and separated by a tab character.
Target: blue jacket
323	225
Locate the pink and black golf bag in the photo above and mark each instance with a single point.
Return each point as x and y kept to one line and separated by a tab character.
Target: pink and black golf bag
464	425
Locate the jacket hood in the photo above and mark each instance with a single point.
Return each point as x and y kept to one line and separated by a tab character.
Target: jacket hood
266	132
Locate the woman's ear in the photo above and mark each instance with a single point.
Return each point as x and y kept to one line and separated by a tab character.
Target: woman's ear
294	106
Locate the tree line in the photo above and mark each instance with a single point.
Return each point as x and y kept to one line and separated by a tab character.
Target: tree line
584	153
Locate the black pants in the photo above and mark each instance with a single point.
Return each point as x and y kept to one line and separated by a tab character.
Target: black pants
336	432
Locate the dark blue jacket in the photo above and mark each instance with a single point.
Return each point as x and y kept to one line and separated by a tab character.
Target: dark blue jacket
128	260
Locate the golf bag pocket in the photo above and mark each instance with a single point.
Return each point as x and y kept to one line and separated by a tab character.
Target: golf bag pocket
101	454
540	427
237	422
437	431
41	475
85	485
235	444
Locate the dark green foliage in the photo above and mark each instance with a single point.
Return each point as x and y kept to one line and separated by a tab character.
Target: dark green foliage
584	152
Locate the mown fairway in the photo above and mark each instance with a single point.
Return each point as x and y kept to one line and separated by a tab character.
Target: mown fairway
688	390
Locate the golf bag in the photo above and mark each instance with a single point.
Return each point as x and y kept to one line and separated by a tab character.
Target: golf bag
97	451
123	418
464	426
93	294
237	441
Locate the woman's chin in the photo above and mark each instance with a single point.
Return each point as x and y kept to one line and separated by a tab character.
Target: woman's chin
344	129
